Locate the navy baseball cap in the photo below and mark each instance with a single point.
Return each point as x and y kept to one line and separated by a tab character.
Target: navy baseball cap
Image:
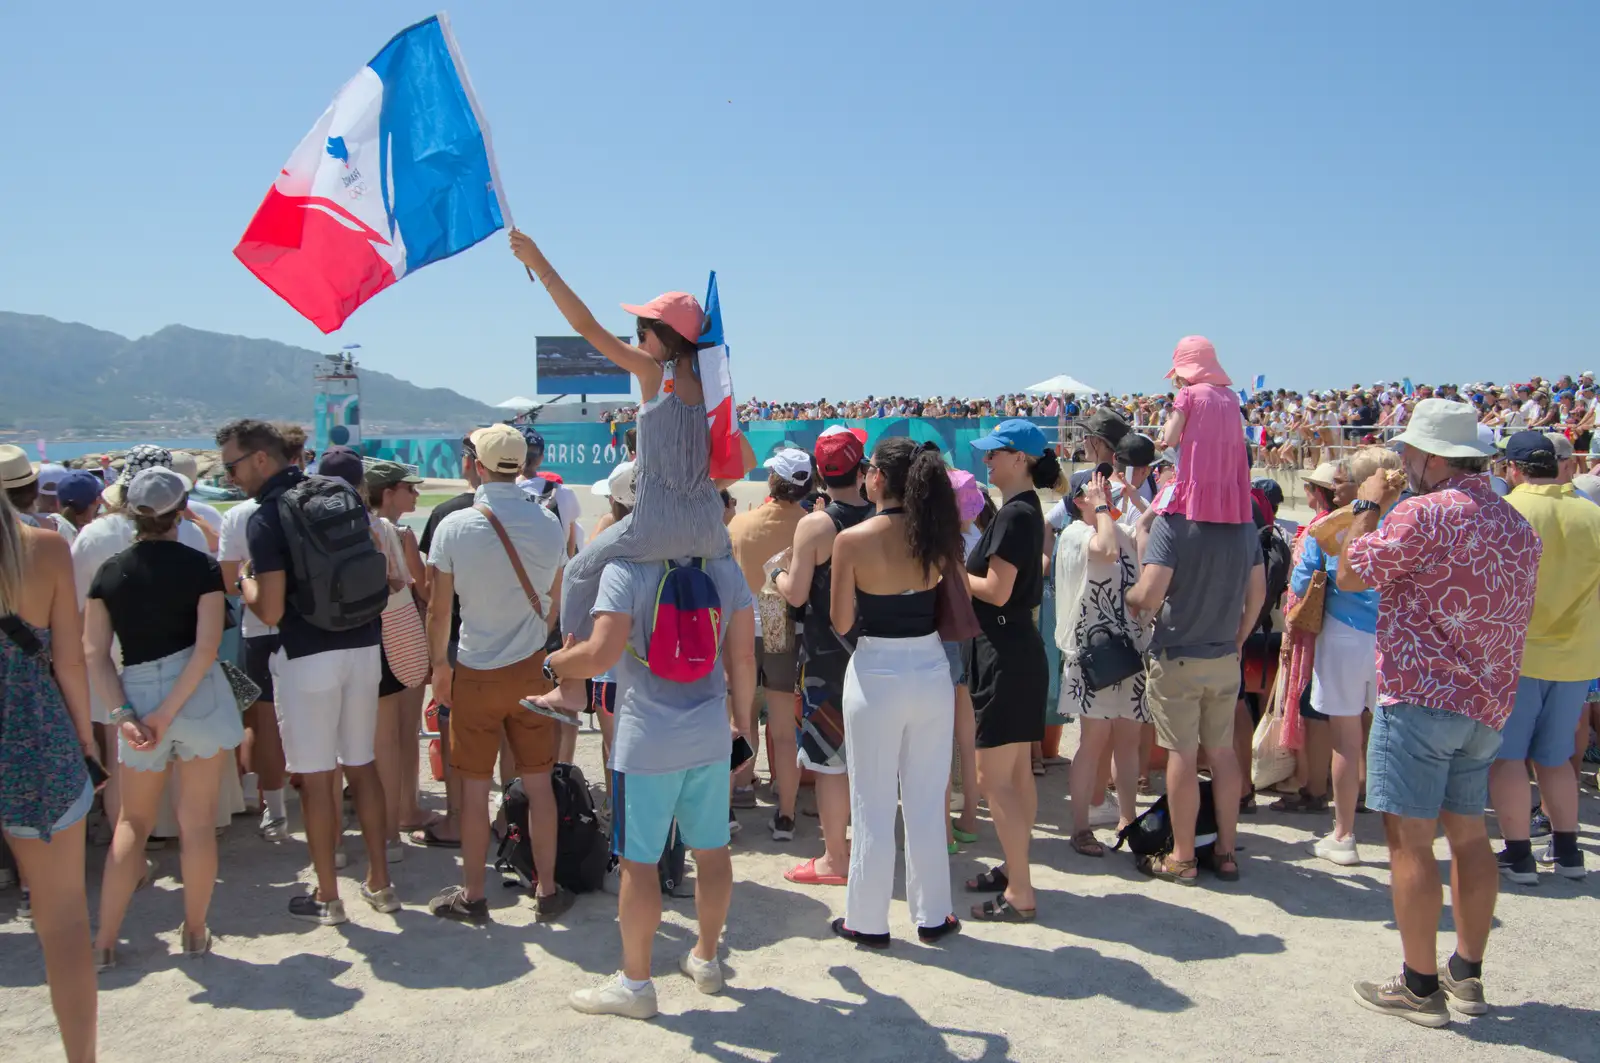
1015	434
78	489
535	440
1531	448
342	463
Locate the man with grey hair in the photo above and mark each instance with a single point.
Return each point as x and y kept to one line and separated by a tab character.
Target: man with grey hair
1566	461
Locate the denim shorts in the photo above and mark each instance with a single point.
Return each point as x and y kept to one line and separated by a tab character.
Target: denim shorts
1543	724
1421	761
958	663
207	723
76	811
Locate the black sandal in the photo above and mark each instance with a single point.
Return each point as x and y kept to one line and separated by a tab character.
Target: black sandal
1084	843
1001	910
930	935
871	941
992	879
1301	802
1219	859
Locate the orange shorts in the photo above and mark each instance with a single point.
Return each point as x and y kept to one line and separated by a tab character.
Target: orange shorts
485	708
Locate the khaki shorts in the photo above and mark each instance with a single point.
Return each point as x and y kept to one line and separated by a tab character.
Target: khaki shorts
1192	700
485	707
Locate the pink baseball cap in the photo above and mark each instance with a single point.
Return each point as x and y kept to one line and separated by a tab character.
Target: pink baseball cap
1195	359
679	311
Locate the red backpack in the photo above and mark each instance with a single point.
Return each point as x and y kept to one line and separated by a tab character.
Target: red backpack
686	631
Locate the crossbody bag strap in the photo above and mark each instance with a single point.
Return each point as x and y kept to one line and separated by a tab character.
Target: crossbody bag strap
516	561
14	629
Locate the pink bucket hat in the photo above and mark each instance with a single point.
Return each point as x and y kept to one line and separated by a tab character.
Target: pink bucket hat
1195	359
969	496
679	311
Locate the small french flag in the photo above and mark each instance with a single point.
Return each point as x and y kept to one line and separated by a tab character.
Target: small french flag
396	174
727	455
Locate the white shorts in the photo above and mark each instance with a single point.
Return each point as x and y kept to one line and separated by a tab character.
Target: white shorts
1344	671
327	706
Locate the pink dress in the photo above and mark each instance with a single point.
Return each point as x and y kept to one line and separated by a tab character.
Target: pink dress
1213	482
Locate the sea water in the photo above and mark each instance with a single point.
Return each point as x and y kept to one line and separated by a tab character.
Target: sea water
77	448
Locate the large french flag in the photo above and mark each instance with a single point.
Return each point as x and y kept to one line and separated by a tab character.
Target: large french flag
727	451
397	173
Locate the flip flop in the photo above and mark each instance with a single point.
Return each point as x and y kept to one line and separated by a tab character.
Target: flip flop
806	875
425	836
433	819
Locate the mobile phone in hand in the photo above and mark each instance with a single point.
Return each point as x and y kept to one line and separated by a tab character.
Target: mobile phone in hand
742	753
98	776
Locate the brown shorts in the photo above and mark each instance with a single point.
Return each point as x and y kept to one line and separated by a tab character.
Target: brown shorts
485	708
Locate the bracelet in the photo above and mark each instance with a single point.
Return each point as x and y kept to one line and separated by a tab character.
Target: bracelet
123	713
544	278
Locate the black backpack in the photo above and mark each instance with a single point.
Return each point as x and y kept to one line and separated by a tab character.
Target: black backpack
341	578
581	851
1278	557
1151	833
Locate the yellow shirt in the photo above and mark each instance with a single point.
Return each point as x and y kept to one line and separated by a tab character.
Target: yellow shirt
1564	635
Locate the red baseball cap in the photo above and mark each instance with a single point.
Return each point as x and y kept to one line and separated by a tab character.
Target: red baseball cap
841	450
679	311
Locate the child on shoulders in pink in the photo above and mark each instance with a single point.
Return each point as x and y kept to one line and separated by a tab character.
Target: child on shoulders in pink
1213	471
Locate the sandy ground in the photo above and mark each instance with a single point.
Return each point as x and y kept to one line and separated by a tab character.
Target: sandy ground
1117	967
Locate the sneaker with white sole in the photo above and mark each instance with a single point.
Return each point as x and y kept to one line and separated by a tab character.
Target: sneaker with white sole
1465	994
383	900
1105	814
782	827
1338	851
1393	998
707	974
614	998
1547	858
1524	872
325	913
275	830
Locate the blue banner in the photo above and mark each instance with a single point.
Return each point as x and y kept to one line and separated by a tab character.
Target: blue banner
585	452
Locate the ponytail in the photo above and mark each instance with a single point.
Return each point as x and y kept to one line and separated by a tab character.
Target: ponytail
916	474
1046	470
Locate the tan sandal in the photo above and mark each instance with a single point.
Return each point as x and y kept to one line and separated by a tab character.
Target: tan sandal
1165	867
196	946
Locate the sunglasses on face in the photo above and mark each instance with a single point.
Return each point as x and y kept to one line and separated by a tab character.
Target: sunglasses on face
228	465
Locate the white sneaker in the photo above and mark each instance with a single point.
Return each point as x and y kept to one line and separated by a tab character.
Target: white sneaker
614	998
383	900
1105	814
1343	853
707	974
274	830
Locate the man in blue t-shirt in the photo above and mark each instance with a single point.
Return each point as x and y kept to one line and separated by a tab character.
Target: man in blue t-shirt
669	761
325	682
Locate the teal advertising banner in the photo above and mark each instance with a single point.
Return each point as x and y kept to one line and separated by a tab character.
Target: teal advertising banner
585	452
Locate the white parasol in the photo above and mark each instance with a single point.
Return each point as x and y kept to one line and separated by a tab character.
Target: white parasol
1062	384
517	402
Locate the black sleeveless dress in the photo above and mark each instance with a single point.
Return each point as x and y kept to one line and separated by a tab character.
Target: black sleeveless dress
1009	673
824	655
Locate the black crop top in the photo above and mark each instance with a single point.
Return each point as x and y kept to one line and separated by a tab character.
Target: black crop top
896	616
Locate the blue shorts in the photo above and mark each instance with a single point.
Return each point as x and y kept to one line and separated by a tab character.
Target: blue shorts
207	724
644	806
1543	724
1421	761
76	811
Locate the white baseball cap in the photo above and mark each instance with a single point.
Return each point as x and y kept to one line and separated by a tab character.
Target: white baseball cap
621	486
792	465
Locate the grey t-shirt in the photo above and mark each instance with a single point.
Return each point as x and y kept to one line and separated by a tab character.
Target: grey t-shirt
1210	566
662	725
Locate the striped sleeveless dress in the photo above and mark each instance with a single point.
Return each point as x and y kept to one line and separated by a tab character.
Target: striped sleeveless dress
677	512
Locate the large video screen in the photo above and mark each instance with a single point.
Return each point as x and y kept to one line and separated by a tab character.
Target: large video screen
569	365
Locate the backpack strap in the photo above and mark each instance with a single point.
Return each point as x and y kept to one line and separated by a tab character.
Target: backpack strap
516	561
25	640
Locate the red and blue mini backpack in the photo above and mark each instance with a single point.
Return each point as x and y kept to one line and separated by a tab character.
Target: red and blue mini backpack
687	630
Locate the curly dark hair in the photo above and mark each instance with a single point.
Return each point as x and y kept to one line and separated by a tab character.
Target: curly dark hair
915	474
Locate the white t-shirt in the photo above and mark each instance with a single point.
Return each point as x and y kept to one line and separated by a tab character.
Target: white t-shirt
106	537
568	508
233	545
65	527
1531	411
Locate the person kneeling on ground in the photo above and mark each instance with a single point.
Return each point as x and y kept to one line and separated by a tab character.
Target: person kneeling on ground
669	761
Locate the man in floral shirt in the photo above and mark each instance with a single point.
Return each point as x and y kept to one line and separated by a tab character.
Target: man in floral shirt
1455	567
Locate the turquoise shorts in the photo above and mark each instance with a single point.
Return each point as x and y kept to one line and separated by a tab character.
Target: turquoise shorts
644	807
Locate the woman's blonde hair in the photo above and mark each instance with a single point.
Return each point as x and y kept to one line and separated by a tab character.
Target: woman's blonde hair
11	549
1368	460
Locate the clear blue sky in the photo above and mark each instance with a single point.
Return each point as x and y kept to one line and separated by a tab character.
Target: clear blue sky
898	197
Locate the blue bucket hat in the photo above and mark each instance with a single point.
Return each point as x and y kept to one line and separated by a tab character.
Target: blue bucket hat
1016	434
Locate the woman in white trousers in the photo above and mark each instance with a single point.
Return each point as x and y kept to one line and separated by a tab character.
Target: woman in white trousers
899	702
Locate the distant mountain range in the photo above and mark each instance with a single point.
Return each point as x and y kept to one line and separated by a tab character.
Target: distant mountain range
62	377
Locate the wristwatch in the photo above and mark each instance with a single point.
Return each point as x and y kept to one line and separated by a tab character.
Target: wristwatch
550	673
1102	509
1362	505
